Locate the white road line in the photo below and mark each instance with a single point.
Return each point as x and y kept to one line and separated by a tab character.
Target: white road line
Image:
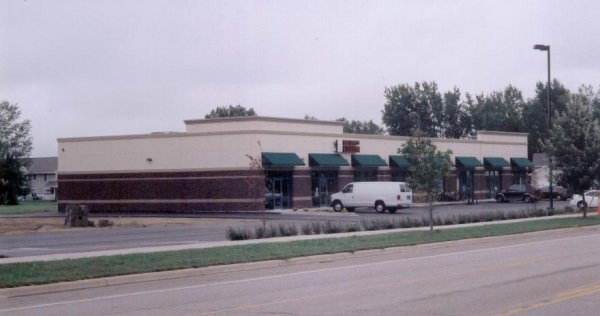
108	297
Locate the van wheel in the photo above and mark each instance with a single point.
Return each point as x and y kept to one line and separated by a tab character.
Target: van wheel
337	206
500	199
392	210
581	205
379	207
527	199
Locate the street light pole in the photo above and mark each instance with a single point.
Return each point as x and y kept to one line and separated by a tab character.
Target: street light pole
547	49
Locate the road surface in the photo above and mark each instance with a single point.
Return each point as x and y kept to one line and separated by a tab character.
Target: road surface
544	273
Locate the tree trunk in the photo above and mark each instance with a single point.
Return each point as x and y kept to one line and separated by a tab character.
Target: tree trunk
586	206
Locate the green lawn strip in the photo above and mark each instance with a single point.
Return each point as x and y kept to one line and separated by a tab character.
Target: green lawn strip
22	274
26	207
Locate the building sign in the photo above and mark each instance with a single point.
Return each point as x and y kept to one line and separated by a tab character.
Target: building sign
350	146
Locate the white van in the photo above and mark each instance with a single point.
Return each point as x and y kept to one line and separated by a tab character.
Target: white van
378	195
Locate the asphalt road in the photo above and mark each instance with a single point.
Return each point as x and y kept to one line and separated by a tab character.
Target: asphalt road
23	245
544	273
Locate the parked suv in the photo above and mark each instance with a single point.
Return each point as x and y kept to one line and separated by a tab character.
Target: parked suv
558	192
518	192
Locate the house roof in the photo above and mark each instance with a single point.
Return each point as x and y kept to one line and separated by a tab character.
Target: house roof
42	165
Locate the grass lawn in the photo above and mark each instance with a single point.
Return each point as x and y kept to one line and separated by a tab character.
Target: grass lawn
22	274
26	207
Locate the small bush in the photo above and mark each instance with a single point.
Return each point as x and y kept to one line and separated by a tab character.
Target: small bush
272	231
450	220
405	223
333	228
287	230
353	227
376	225
306	229
260	232
240	233
316	228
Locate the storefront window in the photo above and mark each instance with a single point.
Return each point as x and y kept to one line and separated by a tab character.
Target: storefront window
323	184
519	177
400	175
364	174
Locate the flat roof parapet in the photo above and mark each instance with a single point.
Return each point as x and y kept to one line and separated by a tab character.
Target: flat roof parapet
262	123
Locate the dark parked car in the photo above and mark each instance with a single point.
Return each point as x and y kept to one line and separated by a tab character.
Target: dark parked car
518	192
558	192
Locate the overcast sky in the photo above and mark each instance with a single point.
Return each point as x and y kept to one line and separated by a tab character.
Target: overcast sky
90	68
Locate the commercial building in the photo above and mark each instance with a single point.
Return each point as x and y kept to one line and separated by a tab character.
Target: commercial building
248	163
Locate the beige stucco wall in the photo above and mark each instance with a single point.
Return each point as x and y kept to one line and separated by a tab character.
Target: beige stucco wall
501	136
176	152
259	123
226	150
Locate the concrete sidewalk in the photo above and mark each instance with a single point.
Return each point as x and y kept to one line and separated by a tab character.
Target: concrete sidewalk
203	245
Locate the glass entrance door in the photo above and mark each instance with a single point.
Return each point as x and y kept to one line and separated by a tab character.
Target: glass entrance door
324	183
278	193
494	182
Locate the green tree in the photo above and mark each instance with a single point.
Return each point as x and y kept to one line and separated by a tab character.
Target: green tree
535	113
457	122
427	167
497	111
230	111
15	147
409	107
591	97
424	107
574	146
361	127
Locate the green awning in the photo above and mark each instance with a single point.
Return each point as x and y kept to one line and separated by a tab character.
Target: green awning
327	160
495	162
438	161
367	161
398	161
520	163
467	162
281	160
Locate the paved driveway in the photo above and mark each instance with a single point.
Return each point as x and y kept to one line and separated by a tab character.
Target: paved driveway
213	227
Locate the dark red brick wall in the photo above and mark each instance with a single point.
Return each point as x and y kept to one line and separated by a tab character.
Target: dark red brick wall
241	190
302	189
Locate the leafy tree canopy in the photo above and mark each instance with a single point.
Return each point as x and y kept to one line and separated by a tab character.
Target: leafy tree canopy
361	127
230	111
423	106
497	111
15	147
535	113
574	145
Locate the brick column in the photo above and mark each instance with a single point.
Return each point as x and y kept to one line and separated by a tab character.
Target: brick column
301	189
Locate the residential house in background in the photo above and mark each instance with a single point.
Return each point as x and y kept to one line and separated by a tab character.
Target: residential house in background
41	176
539	176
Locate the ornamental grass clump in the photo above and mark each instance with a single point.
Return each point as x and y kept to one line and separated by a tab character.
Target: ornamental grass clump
239	233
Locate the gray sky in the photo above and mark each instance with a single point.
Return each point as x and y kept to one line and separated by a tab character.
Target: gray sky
87	68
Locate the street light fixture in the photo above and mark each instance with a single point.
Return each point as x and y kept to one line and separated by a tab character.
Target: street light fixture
547	49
